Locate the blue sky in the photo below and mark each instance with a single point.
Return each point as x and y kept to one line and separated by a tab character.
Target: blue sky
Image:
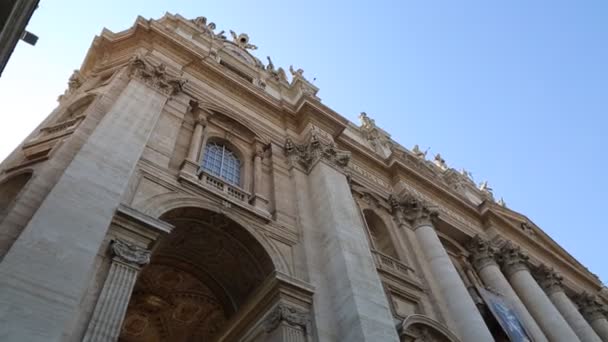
514	91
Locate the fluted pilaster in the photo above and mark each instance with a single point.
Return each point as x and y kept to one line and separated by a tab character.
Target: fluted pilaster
112	304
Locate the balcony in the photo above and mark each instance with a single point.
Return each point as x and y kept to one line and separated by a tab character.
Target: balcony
231	195
223	187
394	267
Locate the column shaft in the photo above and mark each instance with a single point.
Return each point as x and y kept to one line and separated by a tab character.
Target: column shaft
573	316
601	328
257	173
195	143
469	323
548	317
111	307
492	276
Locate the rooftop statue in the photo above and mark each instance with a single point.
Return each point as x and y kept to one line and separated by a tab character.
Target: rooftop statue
201	23
418	153
366	121
242	41
483	186
440	162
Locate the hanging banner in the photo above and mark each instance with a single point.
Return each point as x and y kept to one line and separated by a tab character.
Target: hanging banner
506	316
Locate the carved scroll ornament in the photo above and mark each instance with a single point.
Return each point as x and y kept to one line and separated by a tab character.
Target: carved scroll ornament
156	76
307	155
413	209
130	254
288	314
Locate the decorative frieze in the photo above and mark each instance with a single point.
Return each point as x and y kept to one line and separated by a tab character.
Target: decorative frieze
285	313
513	259
548	279
482	252
156	76
307	155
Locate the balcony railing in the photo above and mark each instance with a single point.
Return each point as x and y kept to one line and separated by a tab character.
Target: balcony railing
392	265
223	187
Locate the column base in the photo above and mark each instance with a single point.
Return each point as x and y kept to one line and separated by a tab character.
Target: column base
259	202
189	169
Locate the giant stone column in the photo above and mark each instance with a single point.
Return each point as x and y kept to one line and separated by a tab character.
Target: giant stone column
349	301
470	326
483	259
45	274
594	313
515	265
552	283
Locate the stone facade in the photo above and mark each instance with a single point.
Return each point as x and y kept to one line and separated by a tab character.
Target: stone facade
184	190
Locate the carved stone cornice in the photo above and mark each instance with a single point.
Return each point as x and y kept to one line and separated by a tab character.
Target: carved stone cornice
130	254
482	252
307	155
513	259
414	210
156	76
590	306
548	279
285	313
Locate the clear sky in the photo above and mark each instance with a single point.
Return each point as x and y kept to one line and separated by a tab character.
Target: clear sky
514	91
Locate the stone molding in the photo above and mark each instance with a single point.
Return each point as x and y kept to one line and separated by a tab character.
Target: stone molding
549	279
590	306
413	210
483	253
513	259
130	254
289	314
156	76
307	155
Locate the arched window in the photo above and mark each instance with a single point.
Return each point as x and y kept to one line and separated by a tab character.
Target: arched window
220	161
379	234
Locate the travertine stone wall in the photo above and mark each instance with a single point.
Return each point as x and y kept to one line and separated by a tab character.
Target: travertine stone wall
61	240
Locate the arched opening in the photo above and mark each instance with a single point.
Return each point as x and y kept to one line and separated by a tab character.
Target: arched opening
423	328
10	189
380	236
222	160
199	277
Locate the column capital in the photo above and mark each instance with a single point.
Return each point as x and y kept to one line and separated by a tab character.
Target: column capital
156	76
315	150
548	279
590	306
513	259
414	210
482	252
130	254
289	314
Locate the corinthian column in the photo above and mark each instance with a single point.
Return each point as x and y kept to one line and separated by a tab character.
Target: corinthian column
552	283
515	265
112	304
594	313
483	257
470	326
